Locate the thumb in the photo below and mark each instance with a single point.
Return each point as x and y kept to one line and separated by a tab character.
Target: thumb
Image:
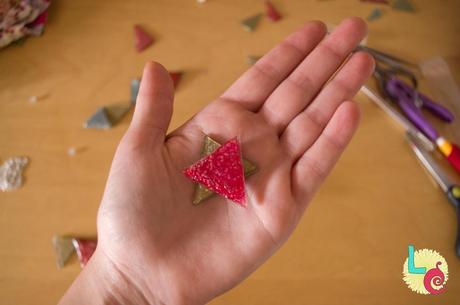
154	104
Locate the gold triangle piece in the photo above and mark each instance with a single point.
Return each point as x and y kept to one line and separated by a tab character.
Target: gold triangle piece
63	248
250	23
209	146
252	59
116	112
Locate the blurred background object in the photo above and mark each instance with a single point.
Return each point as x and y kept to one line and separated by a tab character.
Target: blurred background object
21	18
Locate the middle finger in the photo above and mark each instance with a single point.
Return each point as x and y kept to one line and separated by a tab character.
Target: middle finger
303	84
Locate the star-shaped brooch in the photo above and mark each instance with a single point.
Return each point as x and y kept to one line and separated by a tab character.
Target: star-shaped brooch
220	170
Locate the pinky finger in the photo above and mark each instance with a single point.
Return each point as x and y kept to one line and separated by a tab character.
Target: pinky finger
316	163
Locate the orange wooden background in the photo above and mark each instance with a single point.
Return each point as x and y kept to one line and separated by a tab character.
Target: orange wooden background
352	242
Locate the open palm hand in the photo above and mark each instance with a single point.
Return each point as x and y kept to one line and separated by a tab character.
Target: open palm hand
292	115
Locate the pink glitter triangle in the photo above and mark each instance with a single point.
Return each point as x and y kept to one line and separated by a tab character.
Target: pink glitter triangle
272	13
222	172
85	249
141	39
175	76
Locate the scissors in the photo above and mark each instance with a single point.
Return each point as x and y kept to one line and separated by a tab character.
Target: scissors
451	190
390	72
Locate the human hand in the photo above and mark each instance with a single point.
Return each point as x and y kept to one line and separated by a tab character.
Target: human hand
154	245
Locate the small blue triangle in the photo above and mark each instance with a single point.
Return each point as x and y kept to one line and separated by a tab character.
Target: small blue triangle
135	83
98	120
375	14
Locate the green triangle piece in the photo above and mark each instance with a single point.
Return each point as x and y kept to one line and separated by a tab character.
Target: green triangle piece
252	59
403	5
249	168
99	120
116	112
63	248
209	146
250	23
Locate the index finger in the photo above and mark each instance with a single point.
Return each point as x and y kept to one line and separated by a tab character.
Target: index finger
256	84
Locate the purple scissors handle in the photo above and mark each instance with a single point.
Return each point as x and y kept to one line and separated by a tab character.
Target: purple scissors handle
404	98
435	108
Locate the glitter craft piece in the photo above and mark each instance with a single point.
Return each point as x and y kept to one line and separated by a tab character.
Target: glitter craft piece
135	84
85	249
403	5
142	40
63	248
116	112
175	76
375	14
272	14
108	116
209	146
221	172
11	173
98	120
252	59
250	23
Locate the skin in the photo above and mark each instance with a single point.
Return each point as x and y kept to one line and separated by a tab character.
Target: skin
293	115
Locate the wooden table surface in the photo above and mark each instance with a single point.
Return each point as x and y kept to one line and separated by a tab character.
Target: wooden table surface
350	246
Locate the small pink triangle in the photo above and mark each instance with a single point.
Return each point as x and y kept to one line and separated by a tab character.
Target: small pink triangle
272	13
85	249
175	76
141	39
222	172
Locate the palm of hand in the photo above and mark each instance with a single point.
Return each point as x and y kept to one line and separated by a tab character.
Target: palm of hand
176	251
165	230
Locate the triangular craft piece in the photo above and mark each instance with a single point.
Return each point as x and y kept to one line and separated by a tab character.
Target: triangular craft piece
116	112
250	23
135	84
99	120
403	5
375	14
175	76
376	1
209	146
272	13
141	38
221	172
85	249
249	168
252	59
63	248
108	116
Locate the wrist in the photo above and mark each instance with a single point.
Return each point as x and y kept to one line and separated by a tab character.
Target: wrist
101	282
